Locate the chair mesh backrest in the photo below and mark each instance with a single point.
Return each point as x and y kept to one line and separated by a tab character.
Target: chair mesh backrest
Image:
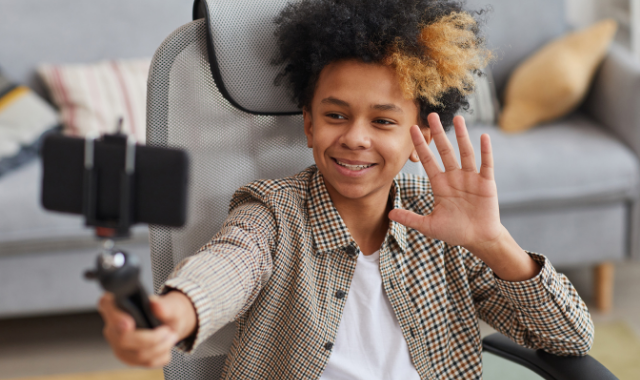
242	44
228	148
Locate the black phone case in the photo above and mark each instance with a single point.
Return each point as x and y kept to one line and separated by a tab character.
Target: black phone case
159	186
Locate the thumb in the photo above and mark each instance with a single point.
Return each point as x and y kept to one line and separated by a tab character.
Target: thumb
161	309
175	310
410	219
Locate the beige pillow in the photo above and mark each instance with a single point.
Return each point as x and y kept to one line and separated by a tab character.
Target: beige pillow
553	82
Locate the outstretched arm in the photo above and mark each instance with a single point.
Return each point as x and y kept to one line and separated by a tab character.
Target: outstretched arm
204	292
224	278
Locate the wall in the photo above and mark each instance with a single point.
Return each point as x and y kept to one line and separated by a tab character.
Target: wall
581	13
74	31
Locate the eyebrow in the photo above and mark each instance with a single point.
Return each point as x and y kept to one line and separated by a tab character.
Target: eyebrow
380	107
387	107
336	101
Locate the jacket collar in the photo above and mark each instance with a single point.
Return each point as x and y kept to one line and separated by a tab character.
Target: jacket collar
330	233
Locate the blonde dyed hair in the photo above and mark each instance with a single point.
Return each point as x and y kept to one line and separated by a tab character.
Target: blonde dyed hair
451	54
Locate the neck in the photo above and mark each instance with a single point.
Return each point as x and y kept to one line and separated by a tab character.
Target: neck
366	218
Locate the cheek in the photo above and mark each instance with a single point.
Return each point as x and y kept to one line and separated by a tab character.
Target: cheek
396	152
323	138
321	145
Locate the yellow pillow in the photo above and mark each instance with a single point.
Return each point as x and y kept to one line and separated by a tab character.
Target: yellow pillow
553	81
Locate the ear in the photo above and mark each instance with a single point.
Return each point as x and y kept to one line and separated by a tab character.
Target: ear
308	126
426	132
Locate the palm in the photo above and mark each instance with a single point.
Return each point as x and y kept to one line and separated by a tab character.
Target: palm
465	208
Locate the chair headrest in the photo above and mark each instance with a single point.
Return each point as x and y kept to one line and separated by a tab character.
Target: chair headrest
241	45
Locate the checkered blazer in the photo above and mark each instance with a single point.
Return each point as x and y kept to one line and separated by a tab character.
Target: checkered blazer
284	252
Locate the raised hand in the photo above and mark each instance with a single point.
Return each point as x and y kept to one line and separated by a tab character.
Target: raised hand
465	210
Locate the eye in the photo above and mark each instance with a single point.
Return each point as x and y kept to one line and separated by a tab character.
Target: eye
335	116
384	122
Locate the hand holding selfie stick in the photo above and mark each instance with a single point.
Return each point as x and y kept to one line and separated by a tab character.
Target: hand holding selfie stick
115	183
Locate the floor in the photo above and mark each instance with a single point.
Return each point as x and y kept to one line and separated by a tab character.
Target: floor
73	343
54	345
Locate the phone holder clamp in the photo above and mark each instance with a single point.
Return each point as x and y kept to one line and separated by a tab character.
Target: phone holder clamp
109	228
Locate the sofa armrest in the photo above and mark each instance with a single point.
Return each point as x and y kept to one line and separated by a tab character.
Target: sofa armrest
614	100
548	366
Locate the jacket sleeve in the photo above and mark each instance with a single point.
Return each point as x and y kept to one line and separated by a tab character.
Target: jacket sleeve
224	277
544	312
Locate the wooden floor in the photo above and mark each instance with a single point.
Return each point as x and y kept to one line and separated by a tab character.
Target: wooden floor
69	344
118	374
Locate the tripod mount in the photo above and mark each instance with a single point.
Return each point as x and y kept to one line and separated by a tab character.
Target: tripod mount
117	271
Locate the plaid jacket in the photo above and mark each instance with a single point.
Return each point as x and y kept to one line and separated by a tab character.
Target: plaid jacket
283	253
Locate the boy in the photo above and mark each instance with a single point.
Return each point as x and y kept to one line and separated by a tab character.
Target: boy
349	270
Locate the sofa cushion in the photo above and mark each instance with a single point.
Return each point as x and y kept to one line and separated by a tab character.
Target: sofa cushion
566	162
26	227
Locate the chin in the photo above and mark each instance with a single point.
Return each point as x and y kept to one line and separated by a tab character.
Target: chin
352	192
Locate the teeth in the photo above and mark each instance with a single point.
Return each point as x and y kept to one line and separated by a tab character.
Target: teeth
353	167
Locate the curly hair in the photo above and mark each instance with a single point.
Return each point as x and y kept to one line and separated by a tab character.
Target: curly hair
434	46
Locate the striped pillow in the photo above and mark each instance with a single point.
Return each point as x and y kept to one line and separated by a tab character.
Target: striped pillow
483	103
92	97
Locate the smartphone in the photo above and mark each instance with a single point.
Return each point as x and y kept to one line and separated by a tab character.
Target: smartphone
158	194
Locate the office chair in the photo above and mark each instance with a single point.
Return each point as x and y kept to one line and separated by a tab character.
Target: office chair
211	92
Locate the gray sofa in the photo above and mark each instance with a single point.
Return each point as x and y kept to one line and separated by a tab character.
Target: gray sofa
568	189
42	254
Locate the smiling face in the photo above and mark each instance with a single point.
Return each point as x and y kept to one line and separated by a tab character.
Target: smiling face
358	127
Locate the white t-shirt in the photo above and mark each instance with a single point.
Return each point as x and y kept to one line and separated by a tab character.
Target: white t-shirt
370	344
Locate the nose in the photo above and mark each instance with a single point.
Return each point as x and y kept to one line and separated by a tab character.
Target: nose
356	136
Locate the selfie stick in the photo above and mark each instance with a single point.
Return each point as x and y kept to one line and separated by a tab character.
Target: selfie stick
117	271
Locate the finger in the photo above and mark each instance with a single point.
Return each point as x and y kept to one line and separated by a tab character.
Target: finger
442	143
486	167
160	309
161	360
140	339
146	356
427	158
139	358
105	302
113	316
467	156
410	219
145	338
153	356
161	350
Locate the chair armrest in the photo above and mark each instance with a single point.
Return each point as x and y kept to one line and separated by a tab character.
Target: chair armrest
614	99
549	366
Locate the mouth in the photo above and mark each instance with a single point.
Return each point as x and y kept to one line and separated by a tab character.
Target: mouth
352	166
